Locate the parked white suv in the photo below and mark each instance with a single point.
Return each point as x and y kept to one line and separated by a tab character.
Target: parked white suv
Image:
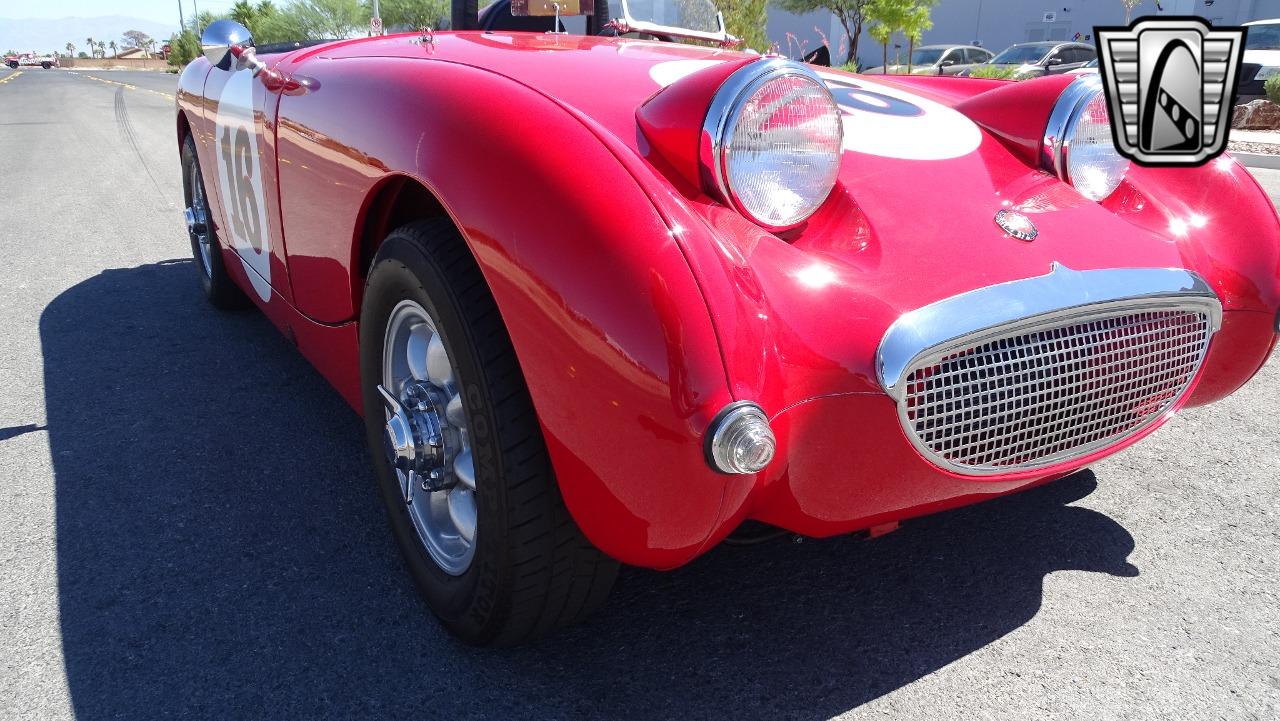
1261	59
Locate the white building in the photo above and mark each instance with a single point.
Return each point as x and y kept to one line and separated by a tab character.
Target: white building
997	24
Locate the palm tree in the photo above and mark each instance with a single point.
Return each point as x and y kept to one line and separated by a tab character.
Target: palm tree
1129	5
102	49
113	48
71	50
90	43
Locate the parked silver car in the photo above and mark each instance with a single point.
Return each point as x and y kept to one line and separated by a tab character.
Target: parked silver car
1031	60
939	60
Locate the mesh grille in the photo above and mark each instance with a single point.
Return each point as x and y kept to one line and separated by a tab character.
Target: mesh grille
1052	394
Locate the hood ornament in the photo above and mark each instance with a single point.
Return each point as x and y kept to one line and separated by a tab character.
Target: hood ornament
1017	225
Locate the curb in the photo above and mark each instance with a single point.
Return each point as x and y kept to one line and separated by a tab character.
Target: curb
1257	160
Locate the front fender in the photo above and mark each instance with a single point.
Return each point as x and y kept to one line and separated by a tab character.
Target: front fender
610	327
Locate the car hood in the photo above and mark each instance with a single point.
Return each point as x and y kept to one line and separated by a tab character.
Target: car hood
904	141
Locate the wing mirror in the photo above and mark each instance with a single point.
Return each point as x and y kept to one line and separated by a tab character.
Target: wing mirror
224	40
1053	61
947	63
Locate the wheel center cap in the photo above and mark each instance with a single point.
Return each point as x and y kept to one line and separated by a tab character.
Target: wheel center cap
413	439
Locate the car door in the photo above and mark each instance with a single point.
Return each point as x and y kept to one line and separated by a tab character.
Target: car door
952	62
1056	62
241	149
1072	58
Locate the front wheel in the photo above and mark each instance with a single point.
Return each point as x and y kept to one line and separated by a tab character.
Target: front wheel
46	66
217	285
461	461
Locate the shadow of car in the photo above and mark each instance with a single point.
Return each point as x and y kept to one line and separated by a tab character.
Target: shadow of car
221	551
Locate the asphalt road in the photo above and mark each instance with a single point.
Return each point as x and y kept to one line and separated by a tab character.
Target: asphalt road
188	526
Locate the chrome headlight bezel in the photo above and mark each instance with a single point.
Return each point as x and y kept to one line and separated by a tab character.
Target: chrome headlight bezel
1055	150
721	120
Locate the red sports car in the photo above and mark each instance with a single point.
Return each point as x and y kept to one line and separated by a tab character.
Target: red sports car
604	298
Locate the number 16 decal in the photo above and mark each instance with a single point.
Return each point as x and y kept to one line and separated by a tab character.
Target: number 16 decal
240	181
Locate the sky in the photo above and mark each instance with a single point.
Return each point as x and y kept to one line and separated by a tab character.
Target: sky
161	11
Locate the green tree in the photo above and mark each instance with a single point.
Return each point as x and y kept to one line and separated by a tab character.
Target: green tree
1129	5
90	43
886	17
413	14
135	39
113	47
915	22
850	13
71	49
183	48
746	19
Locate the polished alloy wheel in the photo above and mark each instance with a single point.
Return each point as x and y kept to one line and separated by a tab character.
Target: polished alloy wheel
425	437
197	217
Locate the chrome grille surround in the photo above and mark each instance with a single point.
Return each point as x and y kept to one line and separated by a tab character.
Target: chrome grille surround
1036	372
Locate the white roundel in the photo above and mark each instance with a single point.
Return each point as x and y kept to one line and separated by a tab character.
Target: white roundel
666	73
240	181
885	121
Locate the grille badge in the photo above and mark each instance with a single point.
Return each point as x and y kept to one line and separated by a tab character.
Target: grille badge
1017	225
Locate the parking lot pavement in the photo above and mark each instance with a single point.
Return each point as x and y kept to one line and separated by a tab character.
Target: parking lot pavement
188	524
1270	182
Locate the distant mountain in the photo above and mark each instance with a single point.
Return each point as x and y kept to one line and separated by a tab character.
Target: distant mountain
45	35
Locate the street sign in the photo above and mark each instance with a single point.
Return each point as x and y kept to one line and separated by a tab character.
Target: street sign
375	25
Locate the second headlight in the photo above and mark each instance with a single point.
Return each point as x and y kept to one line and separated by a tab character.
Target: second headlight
1078	145
771	143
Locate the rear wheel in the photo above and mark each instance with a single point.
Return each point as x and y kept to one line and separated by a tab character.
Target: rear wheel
46	66
461	461
214	280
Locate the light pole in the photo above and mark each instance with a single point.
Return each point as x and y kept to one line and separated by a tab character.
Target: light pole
977	24
377	17
182	22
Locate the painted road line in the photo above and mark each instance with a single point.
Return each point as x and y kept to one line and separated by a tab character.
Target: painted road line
10	77
127	85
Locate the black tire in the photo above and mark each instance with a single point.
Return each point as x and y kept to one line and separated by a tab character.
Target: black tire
218	287
46	66
533	570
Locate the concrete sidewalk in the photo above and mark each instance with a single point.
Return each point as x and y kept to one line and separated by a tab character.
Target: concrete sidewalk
1255	148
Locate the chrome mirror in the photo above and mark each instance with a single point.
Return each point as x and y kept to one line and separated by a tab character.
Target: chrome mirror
220	37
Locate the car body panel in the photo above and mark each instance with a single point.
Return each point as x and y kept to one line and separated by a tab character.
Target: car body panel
639	306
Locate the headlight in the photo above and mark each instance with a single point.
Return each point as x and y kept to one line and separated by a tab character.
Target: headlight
1078	145
1267	71
771	143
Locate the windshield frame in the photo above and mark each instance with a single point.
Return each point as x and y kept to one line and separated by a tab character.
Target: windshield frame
628	24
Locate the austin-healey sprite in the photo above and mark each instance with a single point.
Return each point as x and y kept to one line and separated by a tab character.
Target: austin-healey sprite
604	297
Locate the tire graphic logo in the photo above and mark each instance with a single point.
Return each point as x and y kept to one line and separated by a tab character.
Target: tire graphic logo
1170	86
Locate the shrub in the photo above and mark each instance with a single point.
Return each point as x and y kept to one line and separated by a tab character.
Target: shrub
1272	87
992	71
